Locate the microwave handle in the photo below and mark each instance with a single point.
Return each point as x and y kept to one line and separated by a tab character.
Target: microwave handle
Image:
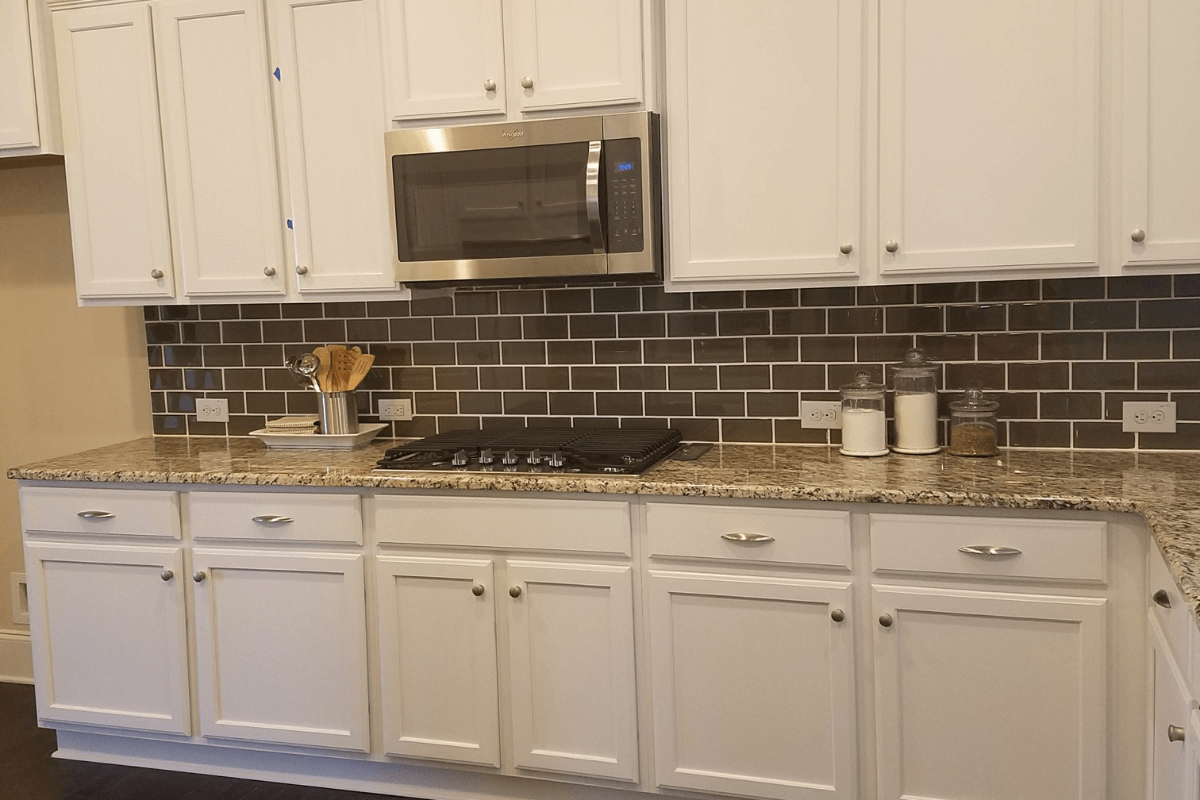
592	196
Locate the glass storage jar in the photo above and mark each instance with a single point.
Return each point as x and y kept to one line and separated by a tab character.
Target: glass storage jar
973	425
864	426
916	404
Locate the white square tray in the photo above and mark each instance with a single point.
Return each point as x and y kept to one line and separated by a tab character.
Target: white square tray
277	440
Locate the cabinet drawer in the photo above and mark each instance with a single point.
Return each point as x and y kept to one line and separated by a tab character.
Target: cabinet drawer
794	536
275	516
124	512
1058	549
527	523
1169	606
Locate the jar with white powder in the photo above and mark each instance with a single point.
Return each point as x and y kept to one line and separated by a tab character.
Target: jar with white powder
864	426
916	404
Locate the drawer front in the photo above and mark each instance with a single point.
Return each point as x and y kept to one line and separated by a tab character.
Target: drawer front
1171	609
740	533
526	523
1008	548
114	512
276	516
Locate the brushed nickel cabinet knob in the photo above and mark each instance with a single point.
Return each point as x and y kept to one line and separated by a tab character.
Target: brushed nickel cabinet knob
892	246
156	273
846	249
477	590
1175	733
526	83
837	615
885	620
269	272
1138	235
166	575
514	591
301	270
198	576
489	86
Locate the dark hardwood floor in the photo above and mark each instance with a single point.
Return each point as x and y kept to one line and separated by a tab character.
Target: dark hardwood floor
27	772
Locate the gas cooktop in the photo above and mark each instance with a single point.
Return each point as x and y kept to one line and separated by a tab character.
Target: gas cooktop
536	450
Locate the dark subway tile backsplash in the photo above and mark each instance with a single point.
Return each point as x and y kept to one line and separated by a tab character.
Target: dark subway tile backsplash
1061	355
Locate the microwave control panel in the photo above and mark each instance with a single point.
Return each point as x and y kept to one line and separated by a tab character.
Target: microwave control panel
623	168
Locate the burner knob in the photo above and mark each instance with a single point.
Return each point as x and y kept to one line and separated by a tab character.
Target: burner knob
509	458
535	457
557	459
486	457
460	458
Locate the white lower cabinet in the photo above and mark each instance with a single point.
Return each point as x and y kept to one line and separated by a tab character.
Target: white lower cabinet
1171	754
281	647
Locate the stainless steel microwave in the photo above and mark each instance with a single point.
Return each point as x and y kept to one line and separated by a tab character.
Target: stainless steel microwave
553	198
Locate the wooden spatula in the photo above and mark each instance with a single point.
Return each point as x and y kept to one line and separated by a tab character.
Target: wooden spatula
343	365
323	374
362	365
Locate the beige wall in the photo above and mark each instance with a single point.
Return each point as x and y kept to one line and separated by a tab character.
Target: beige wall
74	378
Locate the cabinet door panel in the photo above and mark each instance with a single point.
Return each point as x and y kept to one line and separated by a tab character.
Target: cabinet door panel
753	686
109	635
571	662
1161	117
752	200
577	54
442	56
437	648
333	111
113	151
18	102
212	59
988	150
964	708
281	648
1170	765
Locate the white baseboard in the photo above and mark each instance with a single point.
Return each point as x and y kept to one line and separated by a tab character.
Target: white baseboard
16	657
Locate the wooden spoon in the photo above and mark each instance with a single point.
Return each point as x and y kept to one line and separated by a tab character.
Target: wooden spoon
362	365
322	354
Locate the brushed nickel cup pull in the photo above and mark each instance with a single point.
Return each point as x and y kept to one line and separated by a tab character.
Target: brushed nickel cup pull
514	591
477	590
747	538
271	519
166	575
1162	598
989	550
837	615
1138	236
489	86
156	273
892	246
1175	733
886	620
846	249
198	576
96	515
526	83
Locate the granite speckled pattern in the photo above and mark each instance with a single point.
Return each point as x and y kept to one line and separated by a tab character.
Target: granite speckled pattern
1162	487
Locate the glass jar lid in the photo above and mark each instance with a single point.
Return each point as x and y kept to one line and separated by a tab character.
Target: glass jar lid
915	365
863	386
974	401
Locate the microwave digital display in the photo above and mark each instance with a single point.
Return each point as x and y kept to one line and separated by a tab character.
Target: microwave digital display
625	166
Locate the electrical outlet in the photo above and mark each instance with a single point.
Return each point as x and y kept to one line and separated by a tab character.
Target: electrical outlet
395	410
1148	417
20	598
212	410
820	414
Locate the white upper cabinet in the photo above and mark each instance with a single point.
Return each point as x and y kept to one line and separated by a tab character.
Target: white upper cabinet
331	75
216	107
763	139
28	105
113	150
1161	219
576	53
445	58
988	134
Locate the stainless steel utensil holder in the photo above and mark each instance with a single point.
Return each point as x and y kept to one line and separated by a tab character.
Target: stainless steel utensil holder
338	412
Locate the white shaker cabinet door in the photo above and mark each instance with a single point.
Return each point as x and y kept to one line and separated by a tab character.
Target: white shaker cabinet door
18	100
437	650
109	635
763	128
281	647
217	125
1170	764
331	80
988	695
576	53
1162	116
574	704
988	134
116	189
753	685
444	59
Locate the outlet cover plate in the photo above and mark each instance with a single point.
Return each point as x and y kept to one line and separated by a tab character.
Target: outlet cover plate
212	410
1157	417
820	414
395	410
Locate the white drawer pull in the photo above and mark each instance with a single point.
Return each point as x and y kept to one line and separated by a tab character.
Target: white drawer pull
989	550
96	515
271	519
748	538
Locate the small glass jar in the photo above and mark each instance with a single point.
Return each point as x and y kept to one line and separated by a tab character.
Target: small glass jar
973	425
864	425
916	404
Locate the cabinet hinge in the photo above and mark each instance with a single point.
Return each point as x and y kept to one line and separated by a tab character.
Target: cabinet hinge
276	73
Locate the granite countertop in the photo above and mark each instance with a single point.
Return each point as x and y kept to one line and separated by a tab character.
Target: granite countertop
1162	487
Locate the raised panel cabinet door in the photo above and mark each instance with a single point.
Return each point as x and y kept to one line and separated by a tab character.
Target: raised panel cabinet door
112	146
576	53
281	647
18	99
217	123
444	59
764	141
982	694
109	635
574	701
331	83
988	134
753	685
1161	191
1170	764
437	652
